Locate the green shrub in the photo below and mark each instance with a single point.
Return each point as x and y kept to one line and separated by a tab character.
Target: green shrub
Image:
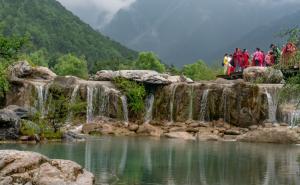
198	71
29	128
71	65
134	92
149	61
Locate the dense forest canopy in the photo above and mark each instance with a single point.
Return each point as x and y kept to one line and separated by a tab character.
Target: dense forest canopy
57	31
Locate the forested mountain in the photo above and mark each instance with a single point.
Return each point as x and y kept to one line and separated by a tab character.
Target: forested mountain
52	27
183	31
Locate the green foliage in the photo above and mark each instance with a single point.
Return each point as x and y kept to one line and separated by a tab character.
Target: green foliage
58	108
71	65
52	27
29	128
198	71
11	46
134	92
39	58
9	50
149	61
291	89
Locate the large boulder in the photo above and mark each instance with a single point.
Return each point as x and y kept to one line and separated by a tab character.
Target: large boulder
144	76
23	69
18	167
22	112
263	75
9	124
283	135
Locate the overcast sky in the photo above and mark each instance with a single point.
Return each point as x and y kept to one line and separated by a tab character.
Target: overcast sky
99	12
96	12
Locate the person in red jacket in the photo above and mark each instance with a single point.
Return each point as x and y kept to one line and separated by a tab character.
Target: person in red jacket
246	57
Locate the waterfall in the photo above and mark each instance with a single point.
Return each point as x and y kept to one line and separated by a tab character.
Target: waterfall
42	93
149	108
89	112
191	102
292	118
72	102
203	104
224	103
272	105
125	109
174	87
103	101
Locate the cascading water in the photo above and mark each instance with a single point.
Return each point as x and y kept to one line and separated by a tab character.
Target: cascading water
90	108
174	87
226	115
72	101
272	105
292	118
149	108
191	94
42	93
125	109
103	101
203	108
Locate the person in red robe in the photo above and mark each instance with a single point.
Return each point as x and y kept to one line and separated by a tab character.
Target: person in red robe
246	57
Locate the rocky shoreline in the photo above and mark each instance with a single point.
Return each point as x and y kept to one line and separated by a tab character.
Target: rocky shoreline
28	168
198	131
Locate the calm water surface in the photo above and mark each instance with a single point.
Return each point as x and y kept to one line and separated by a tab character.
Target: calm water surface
139	161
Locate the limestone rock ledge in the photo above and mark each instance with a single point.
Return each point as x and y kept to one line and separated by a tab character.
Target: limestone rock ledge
18	167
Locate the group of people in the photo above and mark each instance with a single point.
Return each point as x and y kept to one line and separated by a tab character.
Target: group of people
241	59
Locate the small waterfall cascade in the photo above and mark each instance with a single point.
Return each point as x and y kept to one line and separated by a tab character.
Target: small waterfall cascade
149	108
125	109
224	102
90	107
292	118
191	94
174	87
272	98
42	90
103	96
203	104
72	101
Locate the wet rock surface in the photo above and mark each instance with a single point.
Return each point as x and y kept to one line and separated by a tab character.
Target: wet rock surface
263	75
283	135
144	76
9	124
18	167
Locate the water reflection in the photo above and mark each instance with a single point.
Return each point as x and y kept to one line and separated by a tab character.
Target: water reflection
130	161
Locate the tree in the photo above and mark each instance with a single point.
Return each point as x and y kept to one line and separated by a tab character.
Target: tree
9	50
71	65
293	35
198	71
149	61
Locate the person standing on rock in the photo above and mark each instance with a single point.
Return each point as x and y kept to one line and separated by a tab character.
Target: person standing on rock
258	58
246	57
226	63
276	53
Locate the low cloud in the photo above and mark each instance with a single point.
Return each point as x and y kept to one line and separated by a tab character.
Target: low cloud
96	12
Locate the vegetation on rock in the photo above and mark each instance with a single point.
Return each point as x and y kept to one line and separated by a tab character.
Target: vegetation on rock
134	92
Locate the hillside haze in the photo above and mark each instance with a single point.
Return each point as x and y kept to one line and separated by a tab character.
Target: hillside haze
183	31
53	27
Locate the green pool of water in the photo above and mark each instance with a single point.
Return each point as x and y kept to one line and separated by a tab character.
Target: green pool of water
146	161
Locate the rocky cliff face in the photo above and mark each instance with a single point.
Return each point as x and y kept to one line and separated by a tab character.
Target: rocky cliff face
236	102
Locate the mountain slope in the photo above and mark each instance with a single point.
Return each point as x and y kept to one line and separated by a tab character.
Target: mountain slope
264	35
183	31
53	27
